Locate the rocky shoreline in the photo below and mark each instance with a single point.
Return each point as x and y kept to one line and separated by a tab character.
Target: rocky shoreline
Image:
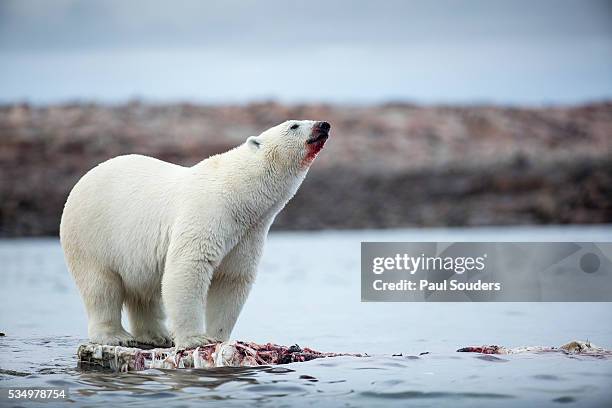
386	166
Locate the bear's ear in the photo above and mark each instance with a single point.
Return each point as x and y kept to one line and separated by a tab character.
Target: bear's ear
253	142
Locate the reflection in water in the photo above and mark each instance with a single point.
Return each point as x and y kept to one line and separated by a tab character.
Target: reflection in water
172	380
221	384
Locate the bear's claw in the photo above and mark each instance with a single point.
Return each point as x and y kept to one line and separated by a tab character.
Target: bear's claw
114	339
191	342
155	340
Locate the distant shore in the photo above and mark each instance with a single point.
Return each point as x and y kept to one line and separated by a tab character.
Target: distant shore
385	166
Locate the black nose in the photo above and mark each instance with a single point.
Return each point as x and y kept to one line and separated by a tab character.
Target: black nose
324	126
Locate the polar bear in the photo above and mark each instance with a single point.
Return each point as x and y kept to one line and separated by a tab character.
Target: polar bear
182	242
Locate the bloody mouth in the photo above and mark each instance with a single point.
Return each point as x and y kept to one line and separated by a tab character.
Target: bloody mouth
318	138
314	146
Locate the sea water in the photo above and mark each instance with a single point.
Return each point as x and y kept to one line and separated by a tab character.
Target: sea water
308	293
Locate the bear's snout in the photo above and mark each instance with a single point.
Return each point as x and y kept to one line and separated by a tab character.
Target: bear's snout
323	126
320	132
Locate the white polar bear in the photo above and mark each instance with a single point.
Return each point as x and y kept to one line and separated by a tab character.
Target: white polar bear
157	236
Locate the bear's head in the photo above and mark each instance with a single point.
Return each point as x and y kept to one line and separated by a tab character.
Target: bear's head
294	143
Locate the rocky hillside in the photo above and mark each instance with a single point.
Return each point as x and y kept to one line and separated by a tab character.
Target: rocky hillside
385	166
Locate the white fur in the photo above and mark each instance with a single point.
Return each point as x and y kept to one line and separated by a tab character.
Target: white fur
162	238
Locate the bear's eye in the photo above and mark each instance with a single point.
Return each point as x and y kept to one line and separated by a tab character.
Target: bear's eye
293	127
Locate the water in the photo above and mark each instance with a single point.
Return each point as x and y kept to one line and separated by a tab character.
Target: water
308	292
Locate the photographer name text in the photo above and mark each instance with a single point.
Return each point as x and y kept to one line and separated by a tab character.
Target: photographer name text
421	263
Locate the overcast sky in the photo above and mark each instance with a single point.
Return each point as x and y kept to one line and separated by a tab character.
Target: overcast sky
512	52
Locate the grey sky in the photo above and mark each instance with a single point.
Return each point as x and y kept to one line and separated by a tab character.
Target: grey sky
340	51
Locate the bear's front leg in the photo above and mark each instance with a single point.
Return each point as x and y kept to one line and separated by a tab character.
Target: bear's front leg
185	284
232	283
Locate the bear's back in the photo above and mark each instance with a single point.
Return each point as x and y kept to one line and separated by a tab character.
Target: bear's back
121	211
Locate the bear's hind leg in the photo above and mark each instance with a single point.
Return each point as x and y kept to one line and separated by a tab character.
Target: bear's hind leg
103	294
147	322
